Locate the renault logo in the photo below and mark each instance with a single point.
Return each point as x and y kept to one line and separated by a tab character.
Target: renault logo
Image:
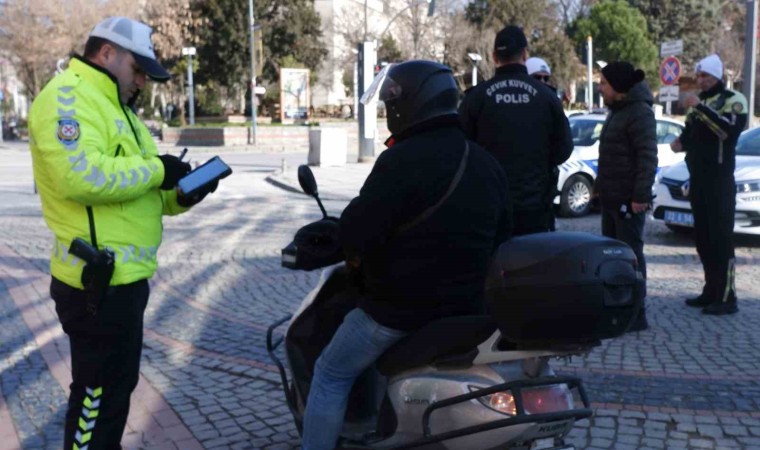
685	188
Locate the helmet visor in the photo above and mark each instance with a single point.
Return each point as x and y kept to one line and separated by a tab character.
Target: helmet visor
378	86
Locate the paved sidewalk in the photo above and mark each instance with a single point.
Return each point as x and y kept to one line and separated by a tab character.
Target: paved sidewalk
689	381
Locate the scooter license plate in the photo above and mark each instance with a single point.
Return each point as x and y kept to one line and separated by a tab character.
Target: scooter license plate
543	434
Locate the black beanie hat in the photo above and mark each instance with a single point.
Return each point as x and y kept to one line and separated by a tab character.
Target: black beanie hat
622	76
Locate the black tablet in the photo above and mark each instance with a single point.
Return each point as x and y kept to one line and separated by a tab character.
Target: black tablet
212	170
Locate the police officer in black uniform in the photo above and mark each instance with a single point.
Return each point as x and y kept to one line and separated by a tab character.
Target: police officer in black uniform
521	122
713	124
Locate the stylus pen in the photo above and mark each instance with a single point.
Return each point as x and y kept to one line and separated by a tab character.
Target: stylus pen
182	155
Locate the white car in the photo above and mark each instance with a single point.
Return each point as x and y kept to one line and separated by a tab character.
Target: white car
672	202
577	174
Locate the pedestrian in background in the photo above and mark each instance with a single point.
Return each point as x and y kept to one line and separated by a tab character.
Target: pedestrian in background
100	179
521	122
540	70
714	121
627	161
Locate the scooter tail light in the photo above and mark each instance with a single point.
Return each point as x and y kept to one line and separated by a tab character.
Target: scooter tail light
503	402
547	399
538	400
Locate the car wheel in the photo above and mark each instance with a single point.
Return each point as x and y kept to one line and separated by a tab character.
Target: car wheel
575	199
679	229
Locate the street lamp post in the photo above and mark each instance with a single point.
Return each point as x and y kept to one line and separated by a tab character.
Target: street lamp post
750	59
589	64
253	74
189	52
474	57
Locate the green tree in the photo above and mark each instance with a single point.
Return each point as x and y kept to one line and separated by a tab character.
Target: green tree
291	28
619	33
388	50
541	22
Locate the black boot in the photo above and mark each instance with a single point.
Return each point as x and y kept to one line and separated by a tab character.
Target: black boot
721	308
698	302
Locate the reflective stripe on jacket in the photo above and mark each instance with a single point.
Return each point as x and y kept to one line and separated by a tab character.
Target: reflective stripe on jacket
89	150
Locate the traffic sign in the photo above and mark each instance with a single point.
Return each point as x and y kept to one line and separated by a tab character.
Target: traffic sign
671	48
669	93
670	71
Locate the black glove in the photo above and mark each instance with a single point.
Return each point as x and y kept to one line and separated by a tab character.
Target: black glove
174	169
188	201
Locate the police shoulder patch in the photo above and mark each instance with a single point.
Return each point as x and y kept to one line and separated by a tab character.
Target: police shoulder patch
68	131
737	108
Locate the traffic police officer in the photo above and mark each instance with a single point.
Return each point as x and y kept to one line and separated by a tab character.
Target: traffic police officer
521	122
713	123
100	179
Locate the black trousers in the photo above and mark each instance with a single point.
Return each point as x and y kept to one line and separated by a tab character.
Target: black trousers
630	231
532	221
713	202
105	361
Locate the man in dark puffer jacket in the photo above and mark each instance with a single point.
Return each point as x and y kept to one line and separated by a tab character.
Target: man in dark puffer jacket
627	160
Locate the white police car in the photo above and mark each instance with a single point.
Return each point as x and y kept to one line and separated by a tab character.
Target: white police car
577	174
672	188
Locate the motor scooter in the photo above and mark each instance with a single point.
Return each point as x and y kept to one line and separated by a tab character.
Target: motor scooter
467	382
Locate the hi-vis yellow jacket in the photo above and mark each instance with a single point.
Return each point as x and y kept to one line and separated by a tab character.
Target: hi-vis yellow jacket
90	151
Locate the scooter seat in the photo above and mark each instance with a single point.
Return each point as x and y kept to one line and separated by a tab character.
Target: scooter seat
451	339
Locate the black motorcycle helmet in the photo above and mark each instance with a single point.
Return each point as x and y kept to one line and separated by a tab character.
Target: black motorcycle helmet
417	91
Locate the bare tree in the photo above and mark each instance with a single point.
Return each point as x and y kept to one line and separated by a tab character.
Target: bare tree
37	33
569	10
172	21
728	39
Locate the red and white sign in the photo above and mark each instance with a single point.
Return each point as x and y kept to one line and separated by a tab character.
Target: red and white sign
670	71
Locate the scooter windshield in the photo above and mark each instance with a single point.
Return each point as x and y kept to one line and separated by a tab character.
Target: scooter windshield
382	88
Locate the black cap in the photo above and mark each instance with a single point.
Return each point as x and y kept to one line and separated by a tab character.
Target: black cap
622	76
509	41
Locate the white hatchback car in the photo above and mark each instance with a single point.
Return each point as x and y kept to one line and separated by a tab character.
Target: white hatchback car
577	174
672	202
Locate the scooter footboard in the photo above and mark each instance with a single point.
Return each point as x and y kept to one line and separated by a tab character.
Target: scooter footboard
521	416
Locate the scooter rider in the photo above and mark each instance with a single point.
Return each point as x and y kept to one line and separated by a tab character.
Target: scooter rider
420	235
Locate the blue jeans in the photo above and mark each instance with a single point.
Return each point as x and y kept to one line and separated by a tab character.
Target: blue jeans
357	343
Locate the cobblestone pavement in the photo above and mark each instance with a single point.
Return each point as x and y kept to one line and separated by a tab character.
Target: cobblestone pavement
689	381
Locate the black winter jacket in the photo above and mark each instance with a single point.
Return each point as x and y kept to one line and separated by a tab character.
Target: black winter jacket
520	121
628	150
712	130
438	267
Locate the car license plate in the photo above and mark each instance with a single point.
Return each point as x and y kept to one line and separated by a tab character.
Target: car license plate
679	218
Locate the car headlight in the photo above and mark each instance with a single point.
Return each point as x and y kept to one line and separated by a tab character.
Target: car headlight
749	186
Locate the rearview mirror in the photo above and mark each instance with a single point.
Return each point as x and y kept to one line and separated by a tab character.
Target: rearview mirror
307	181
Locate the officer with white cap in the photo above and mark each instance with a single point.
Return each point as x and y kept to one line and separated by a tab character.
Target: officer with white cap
102	181
714	121
539	69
